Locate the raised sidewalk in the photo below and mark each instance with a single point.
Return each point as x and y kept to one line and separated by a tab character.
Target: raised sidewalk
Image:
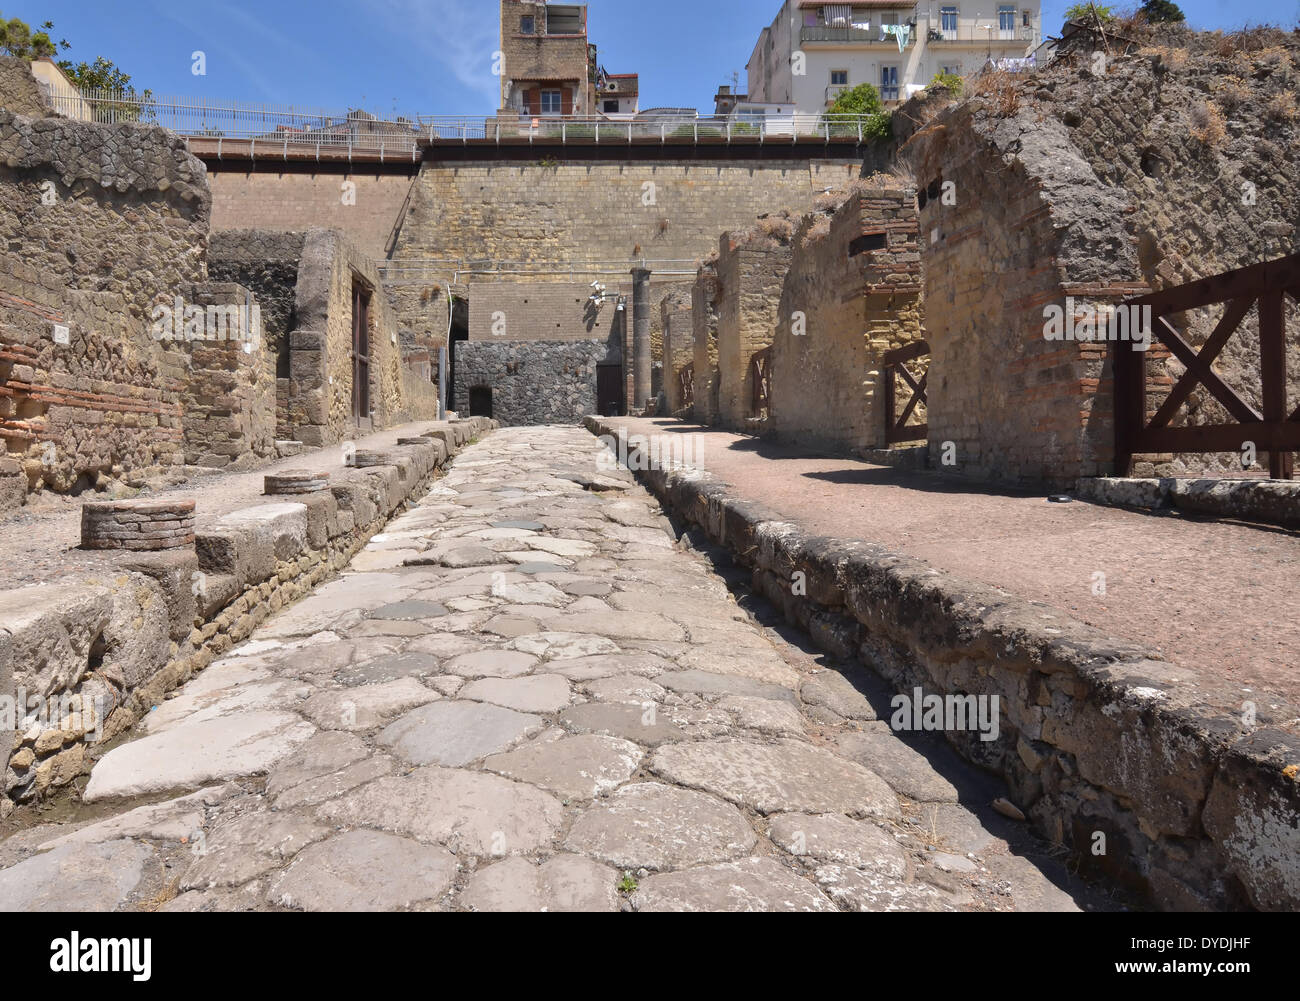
1160	713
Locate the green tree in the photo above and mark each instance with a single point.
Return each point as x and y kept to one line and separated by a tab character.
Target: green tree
861	105
1162	12
18	39
1083	12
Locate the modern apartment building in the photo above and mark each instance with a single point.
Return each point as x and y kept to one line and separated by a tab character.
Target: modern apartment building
814	51
551	68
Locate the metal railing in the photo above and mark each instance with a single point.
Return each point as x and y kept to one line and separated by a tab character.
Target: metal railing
859	36
972	34
242	123
241	129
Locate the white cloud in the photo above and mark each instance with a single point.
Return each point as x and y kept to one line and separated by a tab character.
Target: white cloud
461	36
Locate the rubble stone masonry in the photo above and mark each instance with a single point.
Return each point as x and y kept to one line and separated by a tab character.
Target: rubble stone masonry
1166	166
97	224
751	269
853	292
704	320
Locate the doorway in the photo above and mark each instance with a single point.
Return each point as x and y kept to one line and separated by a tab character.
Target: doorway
360	353
480	401
609	390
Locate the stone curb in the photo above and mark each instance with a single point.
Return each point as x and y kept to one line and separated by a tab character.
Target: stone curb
124	639
1270	502
1097	735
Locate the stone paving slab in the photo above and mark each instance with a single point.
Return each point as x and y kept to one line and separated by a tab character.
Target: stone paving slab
606	730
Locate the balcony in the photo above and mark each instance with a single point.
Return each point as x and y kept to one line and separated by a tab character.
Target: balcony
970	34
851	36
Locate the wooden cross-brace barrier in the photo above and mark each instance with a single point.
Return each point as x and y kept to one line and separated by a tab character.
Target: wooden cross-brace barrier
1274	427
895	365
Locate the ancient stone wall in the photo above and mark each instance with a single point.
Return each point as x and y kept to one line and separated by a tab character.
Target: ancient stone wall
227	389
99	224
752	265
541	311
678	343
364	206
19	90
320	403
266	263
596	211
704	321
853	292
531	382
1092	180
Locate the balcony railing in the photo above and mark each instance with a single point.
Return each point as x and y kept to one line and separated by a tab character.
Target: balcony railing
970	34
860	36
231	129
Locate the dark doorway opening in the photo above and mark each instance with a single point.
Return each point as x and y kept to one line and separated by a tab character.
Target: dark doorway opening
609	390
480	401
459	334
360	353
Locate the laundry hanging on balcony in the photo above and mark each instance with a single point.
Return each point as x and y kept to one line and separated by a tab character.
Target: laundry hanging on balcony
901	32
837	14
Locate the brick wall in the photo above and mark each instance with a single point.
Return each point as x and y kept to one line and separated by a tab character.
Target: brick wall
297	202
320	347
678	343
842	307
1094	185
751	270
267	264
98	224
704	321
541	311
227	391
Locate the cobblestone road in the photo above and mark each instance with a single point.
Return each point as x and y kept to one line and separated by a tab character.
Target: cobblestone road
526	696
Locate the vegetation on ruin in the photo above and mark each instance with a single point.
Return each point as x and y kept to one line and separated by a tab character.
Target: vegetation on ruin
949	81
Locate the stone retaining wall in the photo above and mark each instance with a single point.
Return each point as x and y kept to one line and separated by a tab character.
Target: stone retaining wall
1198	808
532	382
91	655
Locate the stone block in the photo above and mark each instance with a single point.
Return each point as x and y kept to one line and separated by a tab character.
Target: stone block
277	529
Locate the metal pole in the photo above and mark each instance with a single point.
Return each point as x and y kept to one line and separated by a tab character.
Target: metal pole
442	384
642	362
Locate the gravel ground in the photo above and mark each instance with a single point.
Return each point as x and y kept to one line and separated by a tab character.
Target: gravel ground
1215	597
39	542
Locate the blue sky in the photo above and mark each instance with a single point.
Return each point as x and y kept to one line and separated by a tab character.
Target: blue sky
434	56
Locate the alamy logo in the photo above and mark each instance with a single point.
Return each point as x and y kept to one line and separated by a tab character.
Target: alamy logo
68	712
103	955
1109	323
178	321
642	453
954	713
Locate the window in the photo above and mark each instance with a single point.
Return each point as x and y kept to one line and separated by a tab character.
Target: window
839	78
889	83
1006	21
948	20
611	107
552	102
528	25
1028	21
953	69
